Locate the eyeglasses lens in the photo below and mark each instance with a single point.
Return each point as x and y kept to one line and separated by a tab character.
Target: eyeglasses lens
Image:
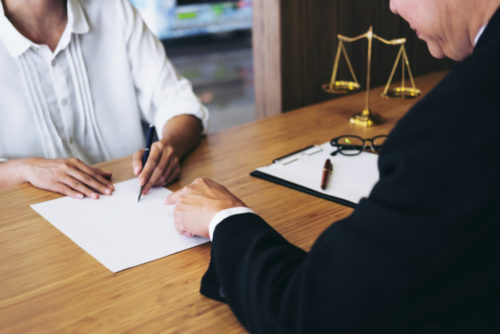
350	145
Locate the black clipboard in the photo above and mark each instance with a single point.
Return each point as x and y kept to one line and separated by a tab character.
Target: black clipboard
288	184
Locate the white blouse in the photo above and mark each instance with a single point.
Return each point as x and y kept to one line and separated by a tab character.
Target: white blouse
88	97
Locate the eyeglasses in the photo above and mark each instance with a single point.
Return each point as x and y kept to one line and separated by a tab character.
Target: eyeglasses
351	145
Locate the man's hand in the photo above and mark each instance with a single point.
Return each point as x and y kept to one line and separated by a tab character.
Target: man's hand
70	177
162	166
198	203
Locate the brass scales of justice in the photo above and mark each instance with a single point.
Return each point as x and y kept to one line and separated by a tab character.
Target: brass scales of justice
367	118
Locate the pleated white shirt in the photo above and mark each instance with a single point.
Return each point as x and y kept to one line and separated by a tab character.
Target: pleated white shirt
88	97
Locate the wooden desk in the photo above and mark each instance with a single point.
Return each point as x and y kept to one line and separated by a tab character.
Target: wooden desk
49	284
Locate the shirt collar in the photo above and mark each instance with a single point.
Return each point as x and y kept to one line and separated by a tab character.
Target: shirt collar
76	16
479	33
17	44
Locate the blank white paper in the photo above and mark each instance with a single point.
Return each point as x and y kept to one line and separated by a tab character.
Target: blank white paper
116	230
352	177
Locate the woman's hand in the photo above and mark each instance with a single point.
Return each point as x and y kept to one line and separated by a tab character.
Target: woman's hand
162	166
198	203
70	177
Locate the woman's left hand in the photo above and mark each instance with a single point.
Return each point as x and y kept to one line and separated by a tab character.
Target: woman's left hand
162	166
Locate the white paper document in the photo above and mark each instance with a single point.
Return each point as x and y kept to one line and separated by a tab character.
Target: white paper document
117	230
352	178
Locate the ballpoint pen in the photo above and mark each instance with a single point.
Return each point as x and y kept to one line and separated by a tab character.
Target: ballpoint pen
149	142
327	169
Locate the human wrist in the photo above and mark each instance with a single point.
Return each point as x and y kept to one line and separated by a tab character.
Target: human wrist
221	215
168	141
14	171
24	166
27	168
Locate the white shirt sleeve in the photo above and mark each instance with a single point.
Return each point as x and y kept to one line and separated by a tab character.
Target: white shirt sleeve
223	214
162	93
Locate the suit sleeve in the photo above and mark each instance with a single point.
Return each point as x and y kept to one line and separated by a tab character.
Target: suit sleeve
382	278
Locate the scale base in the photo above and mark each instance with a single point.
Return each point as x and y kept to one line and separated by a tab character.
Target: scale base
366	119
402	93
341	87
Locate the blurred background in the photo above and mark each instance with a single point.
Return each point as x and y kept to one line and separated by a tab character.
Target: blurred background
250	59
210	43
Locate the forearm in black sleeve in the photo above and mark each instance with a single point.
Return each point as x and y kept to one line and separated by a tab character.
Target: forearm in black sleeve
273	286
353	280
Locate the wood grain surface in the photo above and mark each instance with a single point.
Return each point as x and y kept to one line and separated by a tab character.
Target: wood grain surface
50	285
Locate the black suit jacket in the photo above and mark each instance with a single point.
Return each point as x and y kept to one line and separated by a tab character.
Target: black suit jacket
420	255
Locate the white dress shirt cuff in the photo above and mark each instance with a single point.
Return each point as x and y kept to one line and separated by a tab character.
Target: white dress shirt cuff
223	214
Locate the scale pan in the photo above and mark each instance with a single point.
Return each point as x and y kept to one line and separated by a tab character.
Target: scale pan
341	87
403	93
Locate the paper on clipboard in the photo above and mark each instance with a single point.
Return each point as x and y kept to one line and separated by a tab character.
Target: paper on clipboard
352	179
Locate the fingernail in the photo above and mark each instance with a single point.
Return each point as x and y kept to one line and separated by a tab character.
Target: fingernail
94	196
108	191
136	170
79	196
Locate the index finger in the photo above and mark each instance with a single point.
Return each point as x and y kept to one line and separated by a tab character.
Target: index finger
137	162
154	157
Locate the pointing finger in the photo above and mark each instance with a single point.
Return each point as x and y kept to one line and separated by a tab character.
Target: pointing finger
151	163
137	162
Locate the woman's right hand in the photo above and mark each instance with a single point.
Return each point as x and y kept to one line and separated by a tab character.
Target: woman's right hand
70	177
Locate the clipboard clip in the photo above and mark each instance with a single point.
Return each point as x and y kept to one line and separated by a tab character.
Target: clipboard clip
296	155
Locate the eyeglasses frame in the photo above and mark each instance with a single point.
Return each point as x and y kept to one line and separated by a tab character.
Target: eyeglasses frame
367	143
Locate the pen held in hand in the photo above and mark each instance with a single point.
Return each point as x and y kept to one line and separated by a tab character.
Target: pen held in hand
149	142
327	170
